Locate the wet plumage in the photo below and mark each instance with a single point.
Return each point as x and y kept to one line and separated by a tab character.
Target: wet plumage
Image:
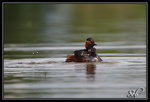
86	55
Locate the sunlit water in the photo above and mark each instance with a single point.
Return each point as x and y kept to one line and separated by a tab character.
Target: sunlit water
38	37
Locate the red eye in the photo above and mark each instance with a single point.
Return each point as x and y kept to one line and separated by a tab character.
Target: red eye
91	42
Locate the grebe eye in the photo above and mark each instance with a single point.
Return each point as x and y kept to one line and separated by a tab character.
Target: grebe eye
91	42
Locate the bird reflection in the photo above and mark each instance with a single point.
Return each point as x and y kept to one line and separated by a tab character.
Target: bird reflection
90	70
45	73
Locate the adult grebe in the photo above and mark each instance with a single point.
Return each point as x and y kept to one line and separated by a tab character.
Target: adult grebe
86	55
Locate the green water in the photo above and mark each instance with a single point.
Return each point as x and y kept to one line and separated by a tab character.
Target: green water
48	32
64	23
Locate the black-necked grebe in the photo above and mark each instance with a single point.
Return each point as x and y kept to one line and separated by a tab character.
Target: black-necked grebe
85	55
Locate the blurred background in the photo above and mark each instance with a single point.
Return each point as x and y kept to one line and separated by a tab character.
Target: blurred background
70	24
55	23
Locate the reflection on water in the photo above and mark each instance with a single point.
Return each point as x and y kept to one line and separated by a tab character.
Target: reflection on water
112	78
65	23
37	34
90	70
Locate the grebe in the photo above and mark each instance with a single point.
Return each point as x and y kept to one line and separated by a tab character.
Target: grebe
86	55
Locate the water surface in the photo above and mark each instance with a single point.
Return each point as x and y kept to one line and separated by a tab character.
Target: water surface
38	37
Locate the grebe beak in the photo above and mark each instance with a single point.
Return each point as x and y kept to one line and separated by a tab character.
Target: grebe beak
95	44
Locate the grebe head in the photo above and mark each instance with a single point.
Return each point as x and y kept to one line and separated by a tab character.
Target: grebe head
89	43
